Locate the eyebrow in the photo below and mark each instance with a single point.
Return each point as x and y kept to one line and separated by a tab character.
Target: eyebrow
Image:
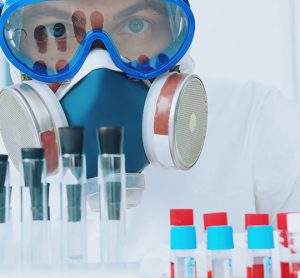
54	11
145	5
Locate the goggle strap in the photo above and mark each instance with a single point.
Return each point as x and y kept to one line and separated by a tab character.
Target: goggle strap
187	2
1	7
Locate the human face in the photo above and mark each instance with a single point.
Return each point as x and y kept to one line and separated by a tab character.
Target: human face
52	31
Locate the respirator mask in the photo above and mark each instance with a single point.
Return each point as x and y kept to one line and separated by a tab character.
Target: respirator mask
164	119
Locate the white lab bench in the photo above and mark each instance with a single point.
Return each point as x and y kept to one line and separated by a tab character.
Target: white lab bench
133	270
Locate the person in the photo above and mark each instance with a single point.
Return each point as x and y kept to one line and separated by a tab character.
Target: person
251	156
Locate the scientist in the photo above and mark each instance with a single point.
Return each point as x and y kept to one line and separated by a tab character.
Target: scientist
250	161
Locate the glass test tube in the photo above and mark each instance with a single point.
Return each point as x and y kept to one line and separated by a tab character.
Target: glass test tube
73	203
183	252
112	182
35	212
219	245
5	212
260	245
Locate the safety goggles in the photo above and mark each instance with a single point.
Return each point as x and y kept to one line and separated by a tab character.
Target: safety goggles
50	40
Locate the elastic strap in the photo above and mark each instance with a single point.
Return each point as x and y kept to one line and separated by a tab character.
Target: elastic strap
1	7
187	2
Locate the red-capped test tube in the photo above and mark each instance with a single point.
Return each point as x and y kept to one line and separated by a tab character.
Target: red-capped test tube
284	252
183	243
260	245
255	219
215	219
293	227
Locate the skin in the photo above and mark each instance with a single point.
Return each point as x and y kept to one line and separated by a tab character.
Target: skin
52	31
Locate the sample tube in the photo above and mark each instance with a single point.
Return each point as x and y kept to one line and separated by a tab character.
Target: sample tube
219	246
35	212
293	227
181	217
5	210
284	252
183	252
73	204
260	245
112	182
255	219
215	219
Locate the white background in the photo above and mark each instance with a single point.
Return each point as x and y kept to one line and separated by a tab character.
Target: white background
247	39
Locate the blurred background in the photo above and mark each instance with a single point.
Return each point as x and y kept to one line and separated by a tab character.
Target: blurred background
249	40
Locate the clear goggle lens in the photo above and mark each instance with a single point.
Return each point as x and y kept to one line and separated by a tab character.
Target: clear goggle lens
51	37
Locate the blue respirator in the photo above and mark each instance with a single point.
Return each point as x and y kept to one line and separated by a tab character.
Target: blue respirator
164	120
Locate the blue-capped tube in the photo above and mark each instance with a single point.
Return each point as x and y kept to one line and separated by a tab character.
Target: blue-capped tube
183	252
6	240
35	211
260	245
73	203
112	183
219	245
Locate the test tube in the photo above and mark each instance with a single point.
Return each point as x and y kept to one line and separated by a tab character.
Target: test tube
5	211
35	212
219	246
260	245
181	217
255	219
293	227
284	252
73	204
183	252
215	219
112	182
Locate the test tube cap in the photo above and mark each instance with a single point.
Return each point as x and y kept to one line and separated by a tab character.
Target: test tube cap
183	238
256	219
181	217
110	140
215	219
260	237
32	153
220	238
293	222
3	158
71	140
282	221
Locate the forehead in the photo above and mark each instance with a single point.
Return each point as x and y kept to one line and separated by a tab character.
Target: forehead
53	7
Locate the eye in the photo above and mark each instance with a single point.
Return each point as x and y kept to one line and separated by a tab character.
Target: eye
58	30
136	25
